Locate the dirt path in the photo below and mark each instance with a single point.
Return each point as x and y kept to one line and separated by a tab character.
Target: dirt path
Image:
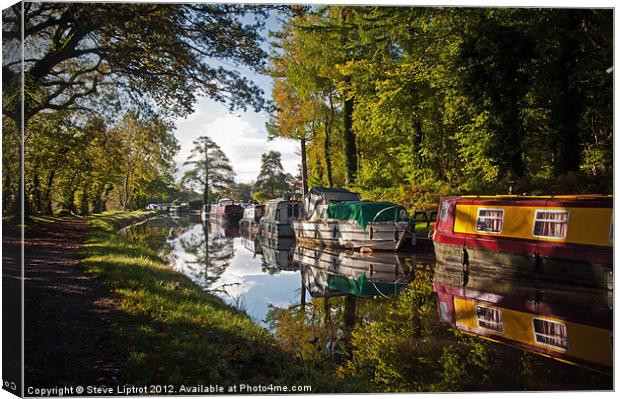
66	312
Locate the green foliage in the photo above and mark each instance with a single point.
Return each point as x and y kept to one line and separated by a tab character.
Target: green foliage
243	192
450	100
89	167
156	55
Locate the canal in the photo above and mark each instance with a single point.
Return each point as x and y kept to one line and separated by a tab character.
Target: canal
397	322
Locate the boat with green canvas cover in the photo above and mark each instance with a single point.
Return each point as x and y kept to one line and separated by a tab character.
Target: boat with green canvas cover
339	218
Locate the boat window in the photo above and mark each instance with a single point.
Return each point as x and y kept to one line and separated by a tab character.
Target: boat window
444	211
297	206
443	309
550	333
490	318
490	220
550	224
290	210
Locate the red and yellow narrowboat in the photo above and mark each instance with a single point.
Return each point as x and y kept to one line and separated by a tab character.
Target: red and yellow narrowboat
567	323
561	238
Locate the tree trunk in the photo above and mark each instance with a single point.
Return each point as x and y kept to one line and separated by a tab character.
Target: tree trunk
48	191
567	110
350	150
350	307
205	194
304	168
327	143
83	210
349	141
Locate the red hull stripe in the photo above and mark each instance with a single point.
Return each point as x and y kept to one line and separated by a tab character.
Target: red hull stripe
518	246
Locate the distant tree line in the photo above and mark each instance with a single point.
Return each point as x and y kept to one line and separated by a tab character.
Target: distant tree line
409	103
102	83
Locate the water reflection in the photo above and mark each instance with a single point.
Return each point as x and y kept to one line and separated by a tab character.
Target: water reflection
379	317
278	254
334	273
569	323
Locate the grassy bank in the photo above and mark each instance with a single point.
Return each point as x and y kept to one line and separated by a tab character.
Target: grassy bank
173	332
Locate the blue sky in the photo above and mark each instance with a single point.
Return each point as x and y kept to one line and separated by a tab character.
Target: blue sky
241	135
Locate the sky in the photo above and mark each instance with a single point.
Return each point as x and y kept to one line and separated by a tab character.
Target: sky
241	135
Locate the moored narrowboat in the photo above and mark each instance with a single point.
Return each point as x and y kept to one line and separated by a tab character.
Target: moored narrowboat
338	218
250	222
226	211
559	238
278	217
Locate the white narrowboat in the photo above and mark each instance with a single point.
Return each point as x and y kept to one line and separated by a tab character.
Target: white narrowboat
278	218
338	218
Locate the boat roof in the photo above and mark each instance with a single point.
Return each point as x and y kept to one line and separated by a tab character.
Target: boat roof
539	197
277	201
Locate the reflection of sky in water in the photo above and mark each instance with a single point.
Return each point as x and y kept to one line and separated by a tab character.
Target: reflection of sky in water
244	282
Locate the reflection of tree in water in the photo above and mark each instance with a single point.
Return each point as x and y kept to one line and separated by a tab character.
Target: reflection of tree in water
211	255
318	330
399	344
157	234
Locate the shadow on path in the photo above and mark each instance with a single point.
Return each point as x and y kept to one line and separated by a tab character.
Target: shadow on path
66	311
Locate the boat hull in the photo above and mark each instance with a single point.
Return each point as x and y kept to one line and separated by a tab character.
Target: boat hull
274	229
349	235
249	226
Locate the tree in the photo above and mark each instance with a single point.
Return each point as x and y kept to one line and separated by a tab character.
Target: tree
311	93
148	155
271	182
153	54
243	191
210	169
87	60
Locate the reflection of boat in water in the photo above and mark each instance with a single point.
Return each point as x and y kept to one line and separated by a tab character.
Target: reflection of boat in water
252	215
563	238
204	213
336	218
333	273
278	252
251	242
568	323
224	230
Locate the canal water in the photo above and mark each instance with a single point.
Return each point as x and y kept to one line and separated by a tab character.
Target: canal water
325	304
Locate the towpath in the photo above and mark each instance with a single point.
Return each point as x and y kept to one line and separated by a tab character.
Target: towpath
66	312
